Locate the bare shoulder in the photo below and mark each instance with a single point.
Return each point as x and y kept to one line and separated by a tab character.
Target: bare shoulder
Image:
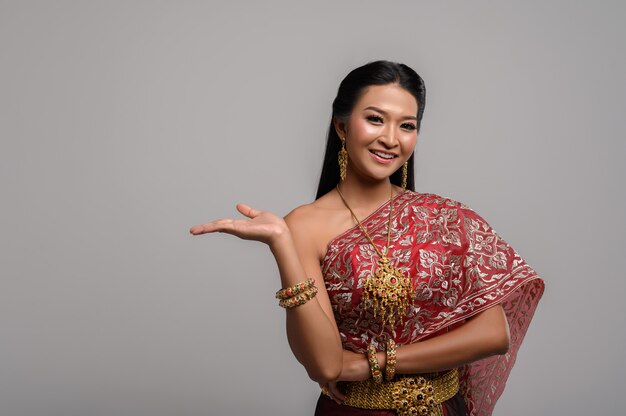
308	216
316	222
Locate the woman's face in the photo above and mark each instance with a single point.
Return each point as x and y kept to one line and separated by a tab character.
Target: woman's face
381	131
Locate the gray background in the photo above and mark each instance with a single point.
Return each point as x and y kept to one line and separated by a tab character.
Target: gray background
124	123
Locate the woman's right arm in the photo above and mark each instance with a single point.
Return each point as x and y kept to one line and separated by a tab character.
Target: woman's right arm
311	328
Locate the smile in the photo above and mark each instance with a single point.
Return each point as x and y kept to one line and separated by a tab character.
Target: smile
383	157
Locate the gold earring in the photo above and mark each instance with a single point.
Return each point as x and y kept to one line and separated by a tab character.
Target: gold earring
405	174
343	160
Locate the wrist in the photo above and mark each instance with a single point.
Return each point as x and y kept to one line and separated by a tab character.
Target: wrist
280	240
358	369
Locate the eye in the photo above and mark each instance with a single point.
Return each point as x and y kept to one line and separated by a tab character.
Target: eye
375	118
409	126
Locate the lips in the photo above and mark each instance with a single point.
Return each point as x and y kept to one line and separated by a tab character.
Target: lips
383	157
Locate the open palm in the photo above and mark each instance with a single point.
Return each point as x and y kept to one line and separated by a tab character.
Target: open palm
261	226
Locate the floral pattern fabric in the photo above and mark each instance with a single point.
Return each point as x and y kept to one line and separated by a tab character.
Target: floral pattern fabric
458	266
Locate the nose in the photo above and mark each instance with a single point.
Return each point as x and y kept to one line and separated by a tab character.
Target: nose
388	136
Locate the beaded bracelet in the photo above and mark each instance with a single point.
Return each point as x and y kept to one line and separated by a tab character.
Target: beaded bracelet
390	368
377	376
298	300
294	290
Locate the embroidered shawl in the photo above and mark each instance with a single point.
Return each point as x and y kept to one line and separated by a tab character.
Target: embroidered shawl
458	266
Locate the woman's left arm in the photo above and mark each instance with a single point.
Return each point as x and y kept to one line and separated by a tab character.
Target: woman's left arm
483	335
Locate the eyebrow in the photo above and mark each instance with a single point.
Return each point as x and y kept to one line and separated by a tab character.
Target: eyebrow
371	107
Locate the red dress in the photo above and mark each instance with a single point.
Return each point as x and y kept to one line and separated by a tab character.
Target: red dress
458	266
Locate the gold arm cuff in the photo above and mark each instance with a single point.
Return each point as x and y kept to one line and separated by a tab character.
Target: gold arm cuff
408	395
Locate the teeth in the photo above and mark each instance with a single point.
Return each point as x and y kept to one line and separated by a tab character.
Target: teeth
383	155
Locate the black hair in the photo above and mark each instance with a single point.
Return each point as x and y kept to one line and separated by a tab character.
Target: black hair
350	90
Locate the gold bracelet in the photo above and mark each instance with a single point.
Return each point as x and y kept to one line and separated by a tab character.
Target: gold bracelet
377	376
390	367
298	300
294	290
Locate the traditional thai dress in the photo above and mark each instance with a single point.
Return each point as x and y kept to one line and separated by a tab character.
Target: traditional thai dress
458	267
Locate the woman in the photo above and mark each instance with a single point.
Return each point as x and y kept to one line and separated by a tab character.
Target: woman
397	302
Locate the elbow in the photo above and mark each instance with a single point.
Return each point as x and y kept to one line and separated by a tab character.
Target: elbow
502	342
324	374
502	337
502	347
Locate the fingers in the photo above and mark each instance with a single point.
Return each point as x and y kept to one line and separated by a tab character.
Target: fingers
248	211
223	225
326	391
335	393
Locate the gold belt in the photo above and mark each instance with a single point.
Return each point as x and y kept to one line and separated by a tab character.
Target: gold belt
409	395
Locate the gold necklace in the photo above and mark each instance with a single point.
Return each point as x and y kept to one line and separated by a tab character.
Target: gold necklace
387	289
